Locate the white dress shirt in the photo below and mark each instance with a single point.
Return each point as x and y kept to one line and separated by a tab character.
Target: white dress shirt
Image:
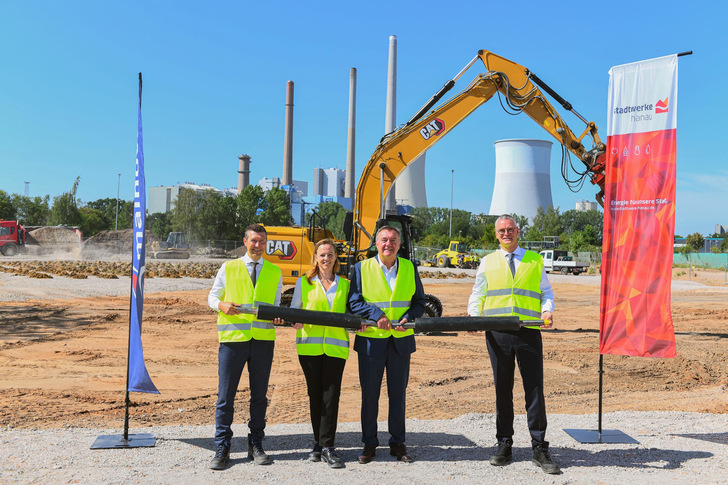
475	304
389	274
218	287
297	301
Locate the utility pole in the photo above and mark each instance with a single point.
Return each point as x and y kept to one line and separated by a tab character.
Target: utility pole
118	184
452	179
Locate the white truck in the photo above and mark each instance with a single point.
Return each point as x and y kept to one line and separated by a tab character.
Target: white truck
561	262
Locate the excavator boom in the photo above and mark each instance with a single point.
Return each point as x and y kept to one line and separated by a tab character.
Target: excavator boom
519	91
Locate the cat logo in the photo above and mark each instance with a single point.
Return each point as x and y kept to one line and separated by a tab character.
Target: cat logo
285	250
434	127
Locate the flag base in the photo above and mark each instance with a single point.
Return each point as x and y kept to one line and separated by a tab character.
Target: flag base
603	436
142	440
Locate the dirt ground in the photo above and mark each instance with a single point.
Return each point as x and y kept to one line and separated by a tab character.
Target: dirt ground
63	361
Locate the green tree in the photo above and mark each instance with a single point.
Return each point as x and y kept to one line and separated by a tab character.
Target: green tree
32	211
8	209
331	215
545	223
724	243
217	216
276	208
696	241
184	215
250	202
65	208
92	221
159	224
575	220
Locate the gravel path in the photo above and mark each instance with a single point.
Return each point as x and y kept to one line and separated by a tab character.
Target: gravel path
673	447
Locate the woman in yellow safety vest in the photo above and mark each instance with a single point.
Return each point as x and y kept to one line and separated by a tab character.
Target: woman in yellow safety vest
322	351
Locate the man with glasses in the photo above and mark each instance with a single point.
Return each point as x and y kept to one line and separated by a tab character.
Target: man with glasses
512	281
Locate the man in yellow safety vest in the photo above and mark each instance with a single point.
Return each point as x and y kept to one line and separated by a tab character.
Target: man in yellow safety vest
385	289
512	281
244	282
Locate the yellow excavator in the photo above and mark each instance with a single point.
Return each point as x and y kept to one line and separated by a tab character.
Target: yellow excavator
518	91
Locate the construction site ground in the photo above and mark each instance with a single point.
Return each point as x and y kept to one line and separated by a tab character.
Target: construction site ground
63	353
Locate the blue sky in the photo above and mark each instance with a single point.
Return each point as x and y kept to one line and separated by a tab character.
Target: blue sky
215	76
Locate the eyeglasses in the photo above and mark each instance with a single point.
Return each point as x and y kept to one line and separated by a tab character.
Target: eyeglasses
509	230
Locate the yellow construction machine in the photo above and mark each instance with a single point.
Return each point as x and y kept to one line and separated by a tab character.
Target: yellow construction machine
518	91
457	255
174	247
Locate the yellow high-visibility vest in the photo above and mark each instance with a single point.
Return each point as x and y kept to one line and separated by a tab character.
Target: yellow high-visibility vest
319	339
394	304
513	295
239	289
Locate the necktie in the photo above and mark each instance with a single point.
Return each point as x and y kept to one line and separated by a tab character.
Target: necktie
511	264
254	274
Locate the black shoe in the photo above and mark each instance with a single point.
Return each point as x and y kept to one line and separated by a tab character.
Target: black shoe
315	455
400	451
220	459
257	454
367	455
329	456
542	458
503	453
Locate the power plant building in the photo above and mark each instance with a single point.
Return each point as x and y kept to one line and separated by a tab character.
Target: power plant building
329	182
522	180
163	198
586	205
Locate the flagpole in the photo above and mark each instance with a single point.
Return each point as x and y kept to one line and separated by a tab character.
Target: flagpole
135	309
131	297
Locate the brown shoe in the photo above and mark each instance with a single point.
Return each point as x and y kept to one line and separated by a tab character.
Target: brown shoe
367	455
400	451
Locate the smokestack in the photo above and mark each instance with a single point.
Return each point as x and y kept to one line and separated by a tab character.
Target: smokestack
390	117
350	187
243	172
287	178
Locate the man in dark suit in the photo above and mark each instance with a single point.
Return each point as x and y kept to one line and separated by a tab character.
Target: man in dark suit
385	289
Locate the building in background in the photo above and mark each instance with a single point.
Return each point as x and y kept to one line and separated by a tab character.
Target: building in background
586	205
162	198
329	185
329	182
720	229
708	244
297	190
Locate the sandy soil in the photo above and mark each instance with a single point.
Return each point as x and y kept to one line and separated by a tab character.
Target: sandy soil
63	357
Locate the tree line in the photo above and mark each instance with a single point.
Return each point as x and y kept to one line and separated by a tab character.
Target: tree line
206	215
209	215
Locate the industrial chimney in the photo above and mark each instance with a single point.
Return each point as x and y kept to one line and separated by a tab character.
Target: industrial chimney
287	178
409	189
522	177
243	172
350	187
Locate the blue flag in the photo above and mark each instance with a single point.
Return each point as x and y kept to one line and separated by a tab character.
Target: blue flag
138	379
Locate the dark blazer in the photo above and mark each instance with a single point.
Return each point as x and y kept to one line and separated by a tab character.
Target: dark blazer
357	305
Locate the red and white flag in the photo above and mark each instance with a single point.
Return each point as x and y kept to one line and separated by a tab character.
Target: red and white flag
639	210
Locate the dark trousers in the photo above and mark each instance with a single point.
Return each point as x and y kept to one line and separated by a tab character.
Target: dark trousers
371	373
524	346
323	379
232	357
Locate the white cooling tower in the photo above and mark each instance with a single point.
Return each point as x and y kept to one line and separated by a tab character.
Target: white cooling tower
410	187
522	177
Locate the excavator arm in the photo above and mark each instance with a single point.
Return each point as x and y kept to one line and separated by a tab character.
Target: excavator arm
517	88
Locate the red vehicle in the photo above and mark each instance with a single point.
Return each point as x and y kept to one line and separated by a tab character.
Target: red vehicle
12	238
